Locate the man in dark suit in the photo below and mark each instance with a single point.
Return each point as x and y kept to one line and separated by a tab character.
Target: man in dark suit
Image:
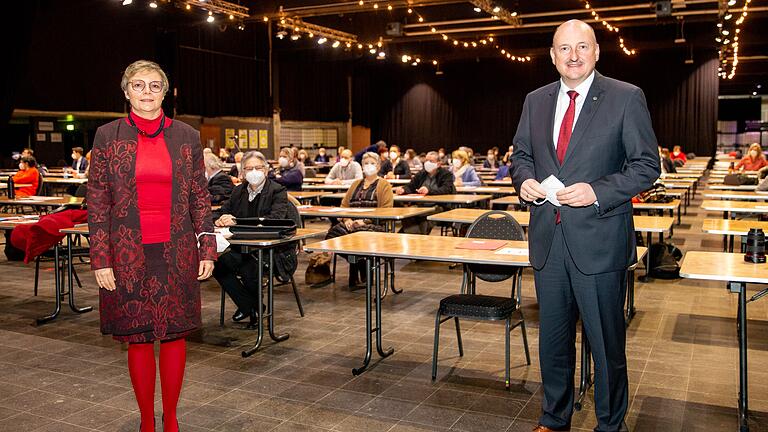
594	135
79	163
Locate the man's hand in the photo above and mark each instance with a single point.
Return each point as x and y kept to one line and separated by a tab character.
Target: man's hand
422	190
336	181
205	270
225	221
531	190
577	195
399	190
105	278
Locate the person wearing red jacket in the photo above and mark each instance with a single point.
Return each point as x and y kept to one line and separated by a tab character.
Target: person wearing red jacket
677	154
27	175
148	208
754	160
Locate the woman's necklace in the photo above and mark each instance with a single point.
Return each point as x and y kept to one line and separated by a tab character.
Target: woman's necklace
144	133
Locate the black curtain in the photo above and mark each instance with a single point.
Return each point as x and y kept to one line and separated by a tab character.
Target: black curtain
313	86
478	103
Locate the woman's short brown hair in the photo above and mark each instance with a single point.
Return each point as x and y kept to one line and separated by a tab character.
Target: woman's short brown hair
141	66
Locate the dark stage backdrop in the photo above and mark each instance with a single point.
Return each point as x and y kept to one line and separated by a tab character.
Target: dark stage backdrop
478	104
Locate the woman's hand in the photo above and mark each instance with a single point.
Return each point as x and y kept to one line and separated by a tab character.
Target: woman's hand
205	270
105	278
225	221
458	182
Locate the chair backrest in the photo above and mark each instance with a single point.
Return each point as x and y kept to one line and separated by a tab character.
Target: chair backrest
40	184
293	211
499	225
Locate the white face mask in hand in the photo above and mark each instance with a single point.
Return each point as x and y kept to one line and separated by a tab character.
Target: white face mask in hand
552	185
221	239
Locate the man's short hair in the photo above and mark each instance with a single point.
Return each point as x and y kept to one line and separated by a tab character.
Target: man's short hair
77	150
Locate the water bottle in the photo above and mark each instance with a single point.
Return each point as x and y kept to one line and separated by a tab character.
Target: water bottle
11	188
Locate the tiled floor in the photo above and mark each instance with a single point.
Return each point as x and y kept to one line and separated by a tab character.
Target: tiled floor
65	376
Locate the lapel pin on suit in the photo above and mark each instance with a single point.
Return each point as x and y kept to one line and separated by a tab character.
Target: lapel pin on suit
594	98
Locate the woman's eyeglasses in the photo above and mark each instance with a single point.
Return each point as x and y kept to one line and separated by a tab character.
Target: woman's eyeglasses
154	86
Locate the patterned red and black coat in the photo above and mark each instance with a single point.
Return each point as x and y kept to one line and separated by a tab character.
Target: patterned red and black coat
138	305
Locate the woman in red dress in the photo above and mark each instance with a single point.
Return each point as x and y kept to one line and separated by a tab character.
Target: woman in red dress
147	203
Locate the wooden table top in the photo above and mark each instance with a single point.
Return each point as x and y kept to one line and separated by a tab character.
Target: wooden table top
300	195
499	183
675	192
468	216
731	227
314	180
507	200
738	195
722	266
58	180
444	199
41	201
672	185
428	248
323	186
732	187
672	205
735	206
390	213
416	246
301	234
11	221
681	176
506	190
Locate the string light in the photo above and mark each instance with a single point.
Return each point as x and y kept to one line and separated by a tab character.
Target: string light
610	27
153	5
730	39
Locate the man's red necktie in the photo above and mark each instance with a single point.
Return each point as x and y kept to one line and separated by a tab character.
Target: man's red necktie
564	137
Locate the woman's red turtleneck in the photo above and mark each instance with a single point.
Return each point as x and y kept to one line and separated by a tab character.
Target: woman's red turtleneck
154	181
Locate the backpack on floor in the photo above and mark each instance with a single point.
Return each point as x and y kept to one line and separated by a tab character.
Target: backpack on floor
665	261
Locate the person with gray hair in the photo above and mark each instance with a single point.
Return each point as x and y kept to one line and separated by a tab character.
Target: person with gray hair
345	171
256	196
219	184
147	205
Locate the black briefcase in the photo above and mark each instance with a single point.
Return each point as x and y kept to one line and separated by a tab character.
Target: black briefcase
262	229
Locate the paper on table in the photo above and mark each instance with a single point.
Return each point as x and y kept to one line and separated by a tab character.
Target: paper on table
512	251
360	210
481	244
414	196
304	206
331	210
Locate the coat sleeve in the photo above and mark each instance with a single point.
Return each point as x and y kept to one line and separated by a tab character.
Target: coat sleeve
385	197
99	199
405	170
415	183
200	203
220	188
445	184
522	157
280	203
643	165
333	175
470	178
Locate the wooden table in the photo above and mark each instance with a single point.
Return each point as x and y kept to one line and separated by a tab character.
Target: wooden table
731	208
736	195
729	228
495	190
69	181
40	201
389	216
506	201
732	187
731	268
262	246
468	216
306	196
671	206
455	199
499	183
377	246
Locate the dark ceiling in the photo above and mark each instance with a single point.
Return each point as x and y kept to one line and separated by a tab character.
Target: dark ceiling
639	25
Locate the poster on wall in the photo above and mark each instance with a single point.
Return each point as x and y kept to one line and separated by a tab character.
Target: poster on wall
55	137
243	138
45	126
263	139
40	137
229	138
253	138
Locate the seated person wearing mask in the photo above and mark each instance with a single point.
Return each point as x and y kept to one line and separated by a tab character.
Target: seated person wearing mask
219	184
79	163
28	175
289	174
370	191
321	156
256	196
678	157
303	157
490	160
414	163
754	160
345	171
463	172
432	180
395	167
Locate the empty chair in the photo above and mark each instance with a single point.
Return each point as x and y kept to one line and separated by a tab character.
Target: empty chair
469	305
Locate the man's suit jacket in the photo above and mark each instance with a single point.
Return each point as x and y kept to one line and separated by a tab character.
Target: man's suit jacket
220	187
80	165
613	148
